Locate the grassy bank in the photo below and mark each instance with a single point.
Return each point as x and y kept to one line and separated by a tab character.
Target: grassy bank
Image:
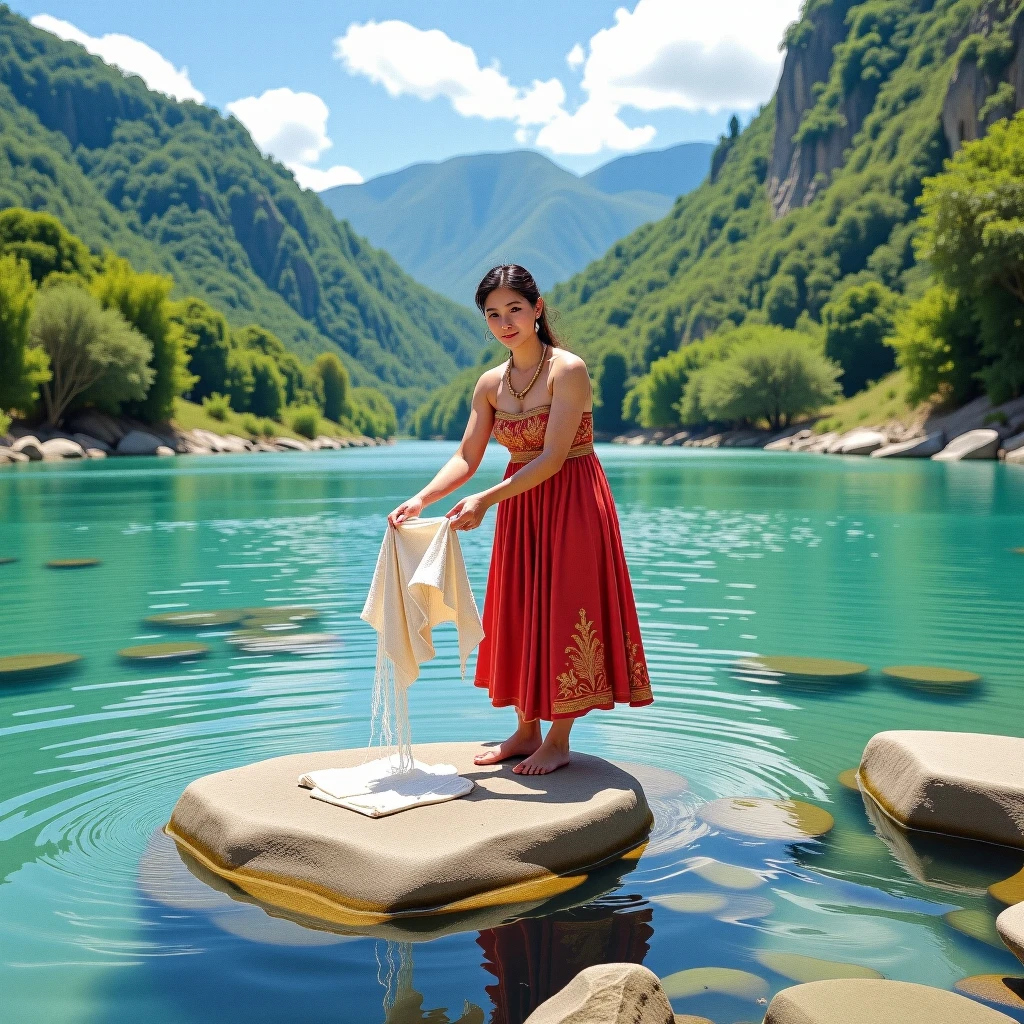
190	416
880	404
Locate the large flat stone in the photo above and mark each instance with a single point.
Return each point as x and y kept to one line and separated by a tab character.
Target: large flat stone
1010	925
607	994
513	839
975	444
914	448
865	1001
960	783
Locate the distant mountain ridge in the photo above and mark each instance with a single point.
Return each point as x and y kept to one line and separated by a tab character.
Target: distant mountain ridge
447	223
180	189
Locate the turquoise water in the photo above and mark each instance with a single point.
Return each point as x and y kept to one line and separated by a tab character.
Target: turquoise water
732	554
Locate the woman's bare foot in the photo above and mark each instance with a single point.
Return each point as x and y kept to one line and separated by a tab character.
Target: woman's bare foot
526	740
547	759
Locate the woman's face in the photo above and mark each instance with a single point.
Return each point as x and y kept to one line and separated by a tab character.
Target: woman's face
510	317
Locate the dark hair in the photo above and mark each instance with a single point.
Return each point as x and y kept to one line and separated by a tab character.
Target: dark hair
518	279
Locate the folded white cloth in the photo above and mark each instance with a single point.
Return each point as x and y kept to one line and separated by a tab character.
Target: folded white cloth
420	581
379	788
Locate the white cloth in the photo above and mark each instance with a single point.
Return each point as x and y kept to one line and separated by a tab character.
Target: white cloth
420	581
379	788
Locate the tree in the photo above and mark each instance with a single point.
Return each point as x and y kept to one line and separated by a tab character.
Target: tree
772	375
973	236
297	385
95	355
44	244
142	299
22	369
372	412
208	339
611	386
268	390
936	343
334	382
857	322
660	390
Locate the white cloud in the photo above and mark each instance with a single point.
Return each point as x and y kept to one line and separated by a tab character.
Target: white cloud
292	126
664	54
130	55
689	54
429	64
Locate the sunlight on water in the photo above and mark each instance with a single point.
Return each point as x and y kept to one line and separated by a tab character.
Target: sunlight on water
733	555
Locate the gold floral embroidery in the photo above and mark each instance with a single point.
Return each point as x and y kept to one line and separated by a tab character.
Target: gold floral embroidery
639	680
584	684
524	432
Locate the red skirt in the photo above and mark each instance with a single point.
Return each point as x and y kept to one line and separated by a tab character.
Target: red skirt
561	633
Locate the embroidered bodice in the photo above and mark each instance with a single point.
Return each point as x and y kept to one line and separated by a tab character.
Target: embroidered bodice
522	433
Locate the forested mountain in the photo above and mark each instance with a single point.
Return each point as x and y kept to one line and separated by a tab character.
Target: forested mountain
178	188
670	172
818	193
448	223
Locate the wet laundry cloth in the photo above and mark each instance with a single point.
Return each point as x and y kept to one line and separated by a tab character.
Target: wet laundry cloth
419	582
380	787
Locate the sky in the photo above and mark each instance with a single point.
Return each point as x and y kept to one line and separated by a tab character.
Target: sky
344	90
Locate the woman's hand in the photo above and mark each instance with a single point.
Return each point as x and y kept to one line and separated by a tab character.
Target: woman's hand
407	510
468	514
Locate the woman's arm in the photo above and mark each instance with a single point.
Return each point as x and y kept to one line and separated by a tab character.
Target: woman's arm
463	464
570	394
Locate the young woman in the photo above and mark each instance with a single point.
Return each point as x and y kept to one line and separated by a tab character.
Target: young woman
562	635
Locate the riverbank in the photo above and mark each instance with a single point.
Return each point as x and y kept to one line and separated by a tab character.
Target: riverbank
976	431
95	435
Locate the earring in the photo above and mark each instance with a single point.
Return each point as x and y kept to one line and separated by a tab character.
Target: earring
536	325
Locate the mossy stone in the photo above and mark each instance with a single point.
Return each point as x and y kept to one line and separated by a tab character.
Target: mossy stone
848	779
727	876
723	980
164	652
975	923
196	620
931	677
767	819
1001	989
813	668
1010	890
280	616
805	969
29	664
72	563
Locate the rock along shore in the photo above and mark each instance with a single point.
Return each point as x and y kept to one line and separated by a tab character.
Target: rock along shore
94	435
976	431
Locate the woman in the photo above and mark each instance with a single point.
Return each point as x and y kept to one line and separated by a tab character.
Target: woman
562	634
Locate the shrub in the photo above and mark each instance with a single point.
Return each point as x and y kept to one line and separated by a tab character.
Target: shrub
95	356
217	406
268	428
306	421
250	424
5	424
334	381
773	375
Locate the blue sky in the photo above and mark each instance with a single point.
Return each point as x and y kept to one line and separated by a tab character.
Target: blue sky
347	89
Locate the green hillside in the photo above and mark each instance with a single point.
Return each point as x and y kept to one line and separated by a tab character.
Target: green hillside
818	193
448	223
810	216
177	188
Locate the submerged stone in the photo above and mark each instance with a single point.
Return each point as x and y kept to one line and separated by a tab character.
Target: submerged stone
513	839
728	876
933	675
7	560
196	620
164	652
30	664
872	1001
848	779
72	563
256	617
263	642
977	924
1001	989
817	668
803	969
725	981
960	783
692	902
1009	890
767	819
